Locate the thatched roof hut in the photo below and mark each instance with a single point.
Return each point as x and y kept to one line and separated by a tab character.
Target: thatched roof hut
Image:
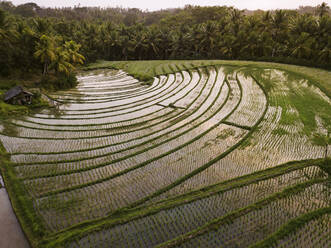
18	95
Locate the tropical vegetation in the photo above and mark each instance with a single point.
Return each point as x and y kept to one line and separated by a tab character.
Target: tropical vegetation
157	149
291	36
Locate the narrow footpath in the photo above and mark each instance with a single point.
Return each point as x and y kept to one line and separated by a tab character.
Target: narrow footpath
11	234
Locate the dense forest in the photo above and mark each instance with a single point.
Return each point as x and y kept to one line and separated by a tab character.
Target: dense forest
44	39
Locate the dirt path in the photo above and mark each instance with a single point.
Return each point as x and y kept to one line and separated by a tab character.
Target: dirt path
11	235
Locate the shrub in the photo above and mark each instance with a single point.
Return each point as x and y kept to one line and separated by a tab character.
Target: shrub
62	81
7	110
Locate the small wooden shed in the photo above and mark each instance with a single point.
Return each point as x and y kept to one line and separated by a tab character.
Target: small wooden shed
18	95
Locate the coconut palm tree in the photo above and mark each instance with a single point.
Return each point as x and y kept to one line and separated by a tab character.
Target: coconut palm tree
41	25
25	46
267	17
227	44
8	37
71	48
164	39
45	52
139	44
153	39
322	34
279	19
303	46
322	9
61	62
303	23
325	54
6	30
208	36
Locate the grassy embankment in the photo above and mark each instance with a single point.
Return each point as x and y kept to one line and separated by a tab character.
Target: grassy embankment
21	201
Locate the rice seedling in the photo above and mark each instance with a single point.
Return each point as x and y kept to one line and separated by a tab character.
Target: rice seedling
196	154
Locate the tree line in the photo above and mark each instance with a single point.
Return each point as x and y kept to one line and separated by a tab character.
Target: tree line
30	40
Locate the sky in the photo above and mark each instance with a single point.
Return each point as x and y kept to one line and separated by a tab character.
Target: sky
163	4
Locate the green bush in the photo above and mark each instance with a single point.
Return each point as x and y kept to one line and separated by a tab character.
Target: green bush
7	110
38	101
62	81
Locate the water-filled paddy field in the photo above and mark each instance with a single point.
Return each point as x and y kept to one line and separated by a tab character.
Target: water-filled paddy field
201	157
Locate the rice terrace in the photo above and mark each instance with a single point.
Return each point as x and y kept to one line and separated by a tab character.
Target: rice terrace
170	153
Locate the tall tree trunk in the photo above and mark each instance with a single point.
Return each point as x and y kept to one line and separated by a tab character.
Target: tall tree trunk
45	69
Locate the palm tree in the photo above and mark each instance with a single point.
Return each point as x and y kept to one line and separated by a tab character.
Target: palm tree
45	52
140	44
264	44
8	37
322	9
91	40
279	31
165	37
226	46
236	15
71	48
208	35
114	44
279	25
322	35
42	26
61	62
303	23
267	17
180	43
154	38
110	40
125	47
5	26
279	19
325	55
24	46
303	46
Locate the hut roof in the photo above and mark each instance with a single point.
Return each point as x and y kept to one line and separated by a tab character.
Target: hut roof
14	92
